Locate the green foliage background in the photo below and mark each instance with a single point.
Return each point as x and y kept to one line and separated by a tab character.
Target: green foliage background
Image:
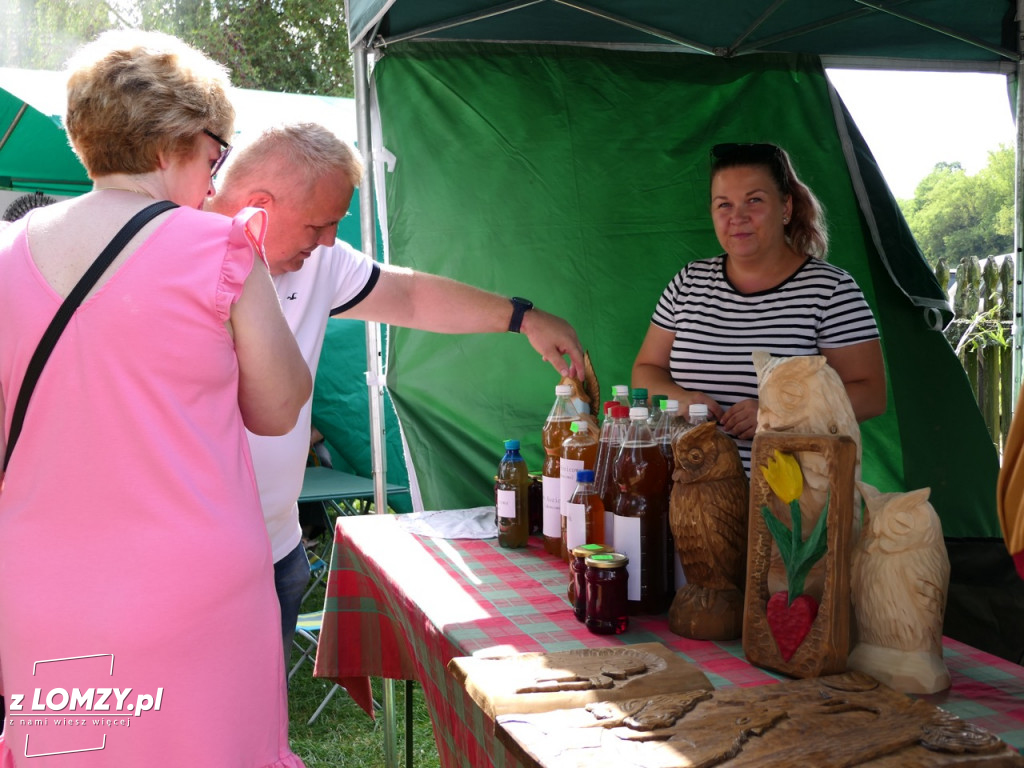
297	46
954	215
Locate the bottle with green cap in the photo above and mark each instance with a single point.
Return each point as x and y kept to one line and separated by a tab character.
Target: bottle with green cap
511	498
620	392
579	451
638	398
656	413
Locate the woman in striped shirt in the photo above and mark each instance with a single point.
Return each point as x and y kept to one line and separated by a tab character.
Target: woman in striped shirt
771	289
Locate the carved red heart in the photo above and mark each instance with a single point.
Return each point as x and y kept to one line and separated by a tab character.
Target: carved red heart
790	623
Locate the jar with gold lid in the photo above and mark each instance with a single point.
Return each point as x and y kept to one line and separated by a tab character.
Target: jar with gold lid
577	576
607	598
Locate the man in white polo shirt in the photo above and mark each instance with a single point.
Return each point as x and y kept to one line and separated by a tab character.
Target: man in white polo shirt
304	177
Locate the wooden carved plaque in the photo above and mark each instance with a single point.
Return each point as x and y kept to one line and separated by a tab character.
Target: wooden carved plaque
540	682
825	647
832	722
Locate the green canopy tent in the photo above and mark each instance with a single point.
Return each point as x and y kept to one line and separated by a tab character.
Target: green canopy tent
558	150
34	152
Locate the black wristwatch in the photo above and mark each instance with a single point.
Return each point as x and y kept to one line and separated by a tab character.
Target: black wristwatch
519	308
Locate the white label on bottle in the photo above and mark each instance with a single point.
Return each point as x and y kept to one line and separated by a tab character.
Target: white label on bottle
609	530
552	490
569	468
627	541
506	503
575	525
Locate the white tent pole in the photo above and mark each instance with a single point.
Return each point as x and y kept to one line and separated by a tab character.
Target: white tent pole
1018	210
374	369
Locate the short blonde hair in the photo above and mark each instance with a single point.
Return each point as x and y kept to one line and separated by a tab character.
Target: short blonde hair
133	95
309	151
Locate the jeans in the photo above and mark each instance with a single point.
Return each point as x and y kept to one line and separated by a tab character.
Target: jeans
291	576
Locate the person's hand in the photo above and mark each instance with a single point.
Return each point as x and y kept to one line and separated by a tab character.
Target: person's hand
695	397
554	338
740	420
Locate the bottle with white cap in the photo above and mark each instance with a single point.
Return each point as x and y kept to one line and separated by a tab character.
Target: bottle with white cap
641	516
698	413
557	428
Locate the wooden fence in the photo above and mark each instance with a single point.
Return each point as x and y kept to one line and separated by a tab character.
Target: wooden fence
980	333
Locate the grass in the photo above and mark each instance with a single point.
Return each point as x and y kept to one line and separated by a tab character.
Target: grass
344	735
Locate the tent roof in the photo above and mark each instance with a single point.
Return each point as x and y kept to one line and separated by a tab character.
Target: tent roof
946	34
34	151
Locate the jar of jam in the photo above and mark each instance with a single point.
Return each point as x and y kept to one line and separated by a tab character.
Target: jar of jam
577	576
606	593
535	498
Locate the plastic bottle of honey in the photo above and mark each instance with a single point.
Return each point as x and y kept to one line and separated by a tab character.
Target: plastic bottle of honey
621	394
638	398
641	516
613	433
511	498
664	431
556	431
584	519
579	451
656	414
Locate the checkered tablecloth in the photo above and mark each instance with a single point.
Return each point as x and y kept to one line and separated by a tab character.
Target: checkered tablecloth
401	606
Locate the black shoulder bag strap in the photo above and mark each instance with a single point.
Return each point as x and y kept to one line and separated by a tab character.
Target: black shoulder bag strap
60	320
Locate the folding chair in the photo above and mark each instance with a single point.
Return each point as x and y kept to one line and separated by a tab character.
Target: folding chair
318	571
307	629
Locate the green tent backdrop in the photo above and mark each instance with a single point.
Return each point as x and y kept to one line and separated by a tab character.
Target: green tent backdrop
578	177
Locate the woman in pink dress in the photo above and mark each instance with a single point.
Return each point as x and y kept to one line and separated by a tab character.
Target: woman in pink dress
138	619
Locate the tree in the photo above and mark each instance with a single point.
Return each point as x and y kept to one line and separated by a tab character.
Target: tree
298	46
953	215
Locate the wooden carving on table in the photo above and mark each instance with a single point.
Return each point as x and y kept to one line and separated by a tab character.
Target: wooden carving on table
788	629
586	393
708	517
541	682
899	581
804	395
843	720
586	669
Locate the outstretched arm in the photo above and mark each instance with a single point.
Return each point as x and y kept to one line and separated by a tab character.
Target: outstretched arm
428	302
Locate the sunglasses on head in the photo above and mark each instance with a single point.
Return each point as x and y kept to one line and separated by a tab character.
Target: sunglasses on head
224	152
743	153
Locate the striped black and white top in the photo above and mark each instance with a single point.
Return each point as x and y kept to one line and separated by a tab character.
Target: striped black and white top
716	327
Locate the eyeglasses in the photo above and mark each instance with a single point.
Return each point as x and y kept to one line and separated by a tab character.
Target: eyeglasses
224	152
741	154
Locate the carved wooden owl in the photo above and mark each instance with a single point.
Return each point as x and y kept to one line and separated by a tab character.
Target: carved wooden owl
899	579
804	395
900	572
586	393
708	518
